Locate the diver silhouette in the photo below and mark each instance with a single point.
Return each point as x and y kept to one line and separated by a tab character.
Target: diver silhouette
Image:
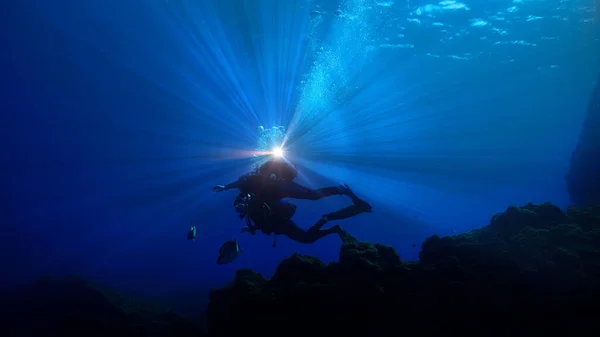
260	203
275	218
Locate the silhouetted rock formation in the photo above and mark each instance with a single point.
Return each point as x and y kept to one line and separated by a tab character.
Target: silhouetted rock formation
71	306
583	178
533	271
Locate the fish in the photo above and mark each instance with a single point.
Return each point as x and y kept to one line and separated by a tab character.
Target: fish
230	250
192	233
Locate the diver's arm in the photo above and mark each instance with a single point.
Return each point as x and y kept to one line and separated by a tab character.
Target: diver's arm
250	229
236	184
221	188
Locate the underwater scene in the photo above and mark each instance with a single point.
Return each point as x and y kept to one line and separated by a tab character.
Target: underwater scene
300	167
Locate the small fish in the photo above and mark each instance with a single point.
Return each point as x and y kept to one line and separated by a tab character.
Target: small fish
229	251
414	245
192	233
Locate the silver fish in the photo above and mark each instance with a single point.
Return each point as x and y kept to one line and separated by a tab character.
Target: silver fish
229	251
191	233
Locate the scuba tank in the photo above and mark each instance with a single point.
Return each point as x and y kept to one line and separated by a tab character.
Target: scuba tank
281	168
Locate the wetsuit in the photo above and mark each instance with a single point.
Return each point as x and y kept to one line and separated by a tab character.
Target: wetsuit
271	183
275	217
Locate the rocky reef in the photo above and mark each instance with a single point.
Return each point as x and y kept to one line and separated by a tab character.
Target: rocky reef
71	306
533	271
583	178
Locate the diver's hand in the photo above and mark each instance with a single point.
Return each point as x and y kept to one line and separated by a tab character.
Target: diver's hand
219	188
248	230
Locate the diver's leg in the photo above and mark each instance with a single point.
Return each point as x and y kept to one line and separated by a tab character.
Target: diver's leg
292	231
359	206
315	231
345	213
290	189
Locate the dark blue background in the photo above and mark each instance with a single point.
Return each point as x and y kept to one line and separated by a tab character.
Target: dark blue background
118	118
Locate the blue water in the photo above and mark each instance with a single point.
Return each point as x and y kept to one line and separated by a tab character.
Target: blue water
118	117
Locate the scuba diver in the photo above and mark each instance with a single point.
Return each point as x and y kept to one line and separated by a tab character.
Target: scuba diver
275	218
259	202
